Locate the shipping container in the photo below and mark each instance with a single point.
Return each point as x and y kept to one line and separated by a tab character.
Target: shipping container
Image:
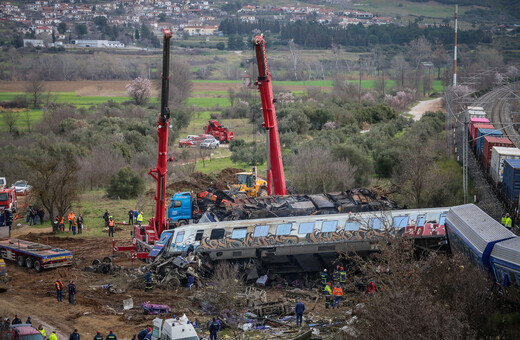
489	143
475	108
476	114
474	121
475	129
481	134
498	156
511	180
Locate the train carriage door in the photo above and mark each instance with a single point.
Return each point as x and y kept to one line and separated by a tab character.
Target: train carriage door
419	225
399	224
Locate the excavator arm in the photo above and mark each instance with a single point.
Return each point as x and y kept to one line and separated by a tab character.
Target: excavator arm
275	173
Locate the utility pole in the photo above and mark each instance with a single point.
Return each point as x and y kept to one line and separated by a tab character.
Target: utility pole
465	151
455	49
359	90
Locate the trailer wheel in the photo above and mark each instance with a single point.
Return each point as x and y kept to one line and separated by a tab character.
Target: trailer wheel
20	260
107	260
37	266
29	262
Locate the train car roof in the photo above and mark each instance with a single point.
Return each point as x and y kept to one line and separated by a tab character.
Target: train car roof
299	219
508	250
476	226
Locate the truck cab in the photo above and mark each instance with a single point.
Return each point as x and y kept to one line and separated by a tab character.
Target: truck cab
8	199
180	210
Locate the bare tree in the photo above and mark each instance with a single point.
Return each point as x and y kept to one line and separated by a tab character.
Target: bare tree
35	89
295	58
232	96
419	50
181	86
140	89
10	119
439	57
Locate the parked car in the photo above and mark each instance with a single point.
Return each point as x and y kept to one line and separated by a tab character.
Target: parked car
210	143
194	140
21	187
21	332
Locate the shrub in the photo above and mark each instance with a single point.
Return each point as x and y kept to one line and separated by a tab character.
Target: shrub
125	184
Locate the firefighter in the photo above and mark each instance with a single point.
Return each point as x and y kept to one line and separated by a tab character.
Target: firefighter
342	276
111	224
106	217
143	333
338	293
327	291
325	278
148	281
111	336
98	336
335	274
140	218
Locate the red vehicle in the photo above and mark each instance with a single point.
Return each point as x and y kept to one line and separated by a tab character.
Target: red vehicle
220	132
21	332
193	140
8	199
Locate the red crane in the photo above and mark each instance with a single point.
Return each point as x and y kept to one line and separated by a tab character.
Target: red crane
275	174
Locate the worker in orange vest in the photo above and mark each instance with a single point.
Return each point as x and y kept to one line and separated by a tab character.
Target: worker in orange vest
111	225
71	217
62	224
338	293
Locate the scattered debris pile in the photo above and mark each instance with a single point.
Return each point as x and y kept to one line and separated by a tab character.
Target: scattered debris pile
104	267
198	181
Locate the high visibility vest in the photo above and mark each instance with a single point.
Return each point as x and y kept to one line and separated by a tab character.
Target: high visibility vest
71	216
503	221
509	223
324	278
326	290
140	218
335	275
62	220
337	291
111	336
42	331
111	223
59	285
342	276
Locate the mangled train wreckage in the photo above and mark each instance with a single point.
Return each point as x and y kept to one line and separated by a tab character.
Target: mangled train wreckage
291	244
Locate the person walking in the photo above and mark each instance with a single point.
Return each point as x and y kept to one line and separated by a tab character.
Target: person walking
59	290
41	214
148	281
74	225
98	336
130	217
140	219
214	327
338	293
42	331
327	291
74	335
16	320
299	309
70	217
80	224
72	293
111	336
111	224
53	336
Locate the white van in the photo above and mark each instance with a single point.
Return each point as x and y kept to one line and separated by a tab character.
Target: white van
174	329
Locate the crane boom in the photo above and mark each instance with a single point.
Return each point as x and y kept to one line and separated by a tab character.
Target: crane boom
275	174
158	222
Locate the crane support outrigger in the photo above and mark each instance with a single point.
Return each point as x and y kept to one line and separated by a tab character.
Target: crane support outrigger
275	173
146	236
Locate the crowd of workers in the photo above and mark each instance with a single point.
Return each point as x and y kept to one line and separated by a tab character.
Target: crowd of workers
75	223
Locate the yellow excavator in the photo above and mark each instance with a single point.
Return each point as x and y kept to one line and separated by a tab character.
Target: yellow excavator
248	184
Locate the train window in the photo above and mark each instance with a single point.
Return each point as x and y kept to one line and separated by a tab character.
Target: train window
261	231
217	234
283	229
329	226
376	223
198	235
179	237
442	220
352	226
400	222
421	220
306	228
239	233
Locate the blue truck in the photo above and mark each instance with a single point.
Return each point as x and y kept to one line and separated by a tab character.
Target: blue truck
186	208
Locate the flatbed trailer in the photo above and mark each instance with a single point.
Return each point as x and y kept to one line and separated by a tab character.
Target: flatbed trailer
34	255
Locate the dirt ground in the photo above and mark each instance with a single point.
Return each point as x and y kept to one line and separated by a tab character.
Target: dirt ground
427	105
116	88
97	309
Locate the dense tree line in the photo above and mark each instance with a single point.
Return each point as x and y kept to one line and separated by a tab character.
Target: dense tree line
312	34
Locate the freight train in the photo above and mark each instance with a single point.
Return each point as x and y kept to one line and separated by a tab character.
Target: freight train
497	157
485	242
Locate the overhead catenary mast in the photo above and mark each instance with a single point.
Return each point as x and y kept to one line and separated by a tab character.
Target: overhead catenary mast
455	49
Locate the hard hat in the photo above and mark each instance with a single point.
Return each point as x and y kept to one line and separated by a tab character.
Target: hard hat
325	270
342	268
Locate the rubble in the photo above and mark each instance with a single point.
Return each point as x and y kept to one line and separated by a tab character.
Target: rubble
104	267
153	309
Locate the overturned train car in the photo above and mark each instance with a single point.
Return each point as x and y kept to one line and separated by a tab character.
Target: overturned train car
303	244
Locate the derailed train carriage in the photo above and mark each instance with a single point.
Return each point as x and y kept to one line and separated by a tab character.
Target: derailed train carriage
303	244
